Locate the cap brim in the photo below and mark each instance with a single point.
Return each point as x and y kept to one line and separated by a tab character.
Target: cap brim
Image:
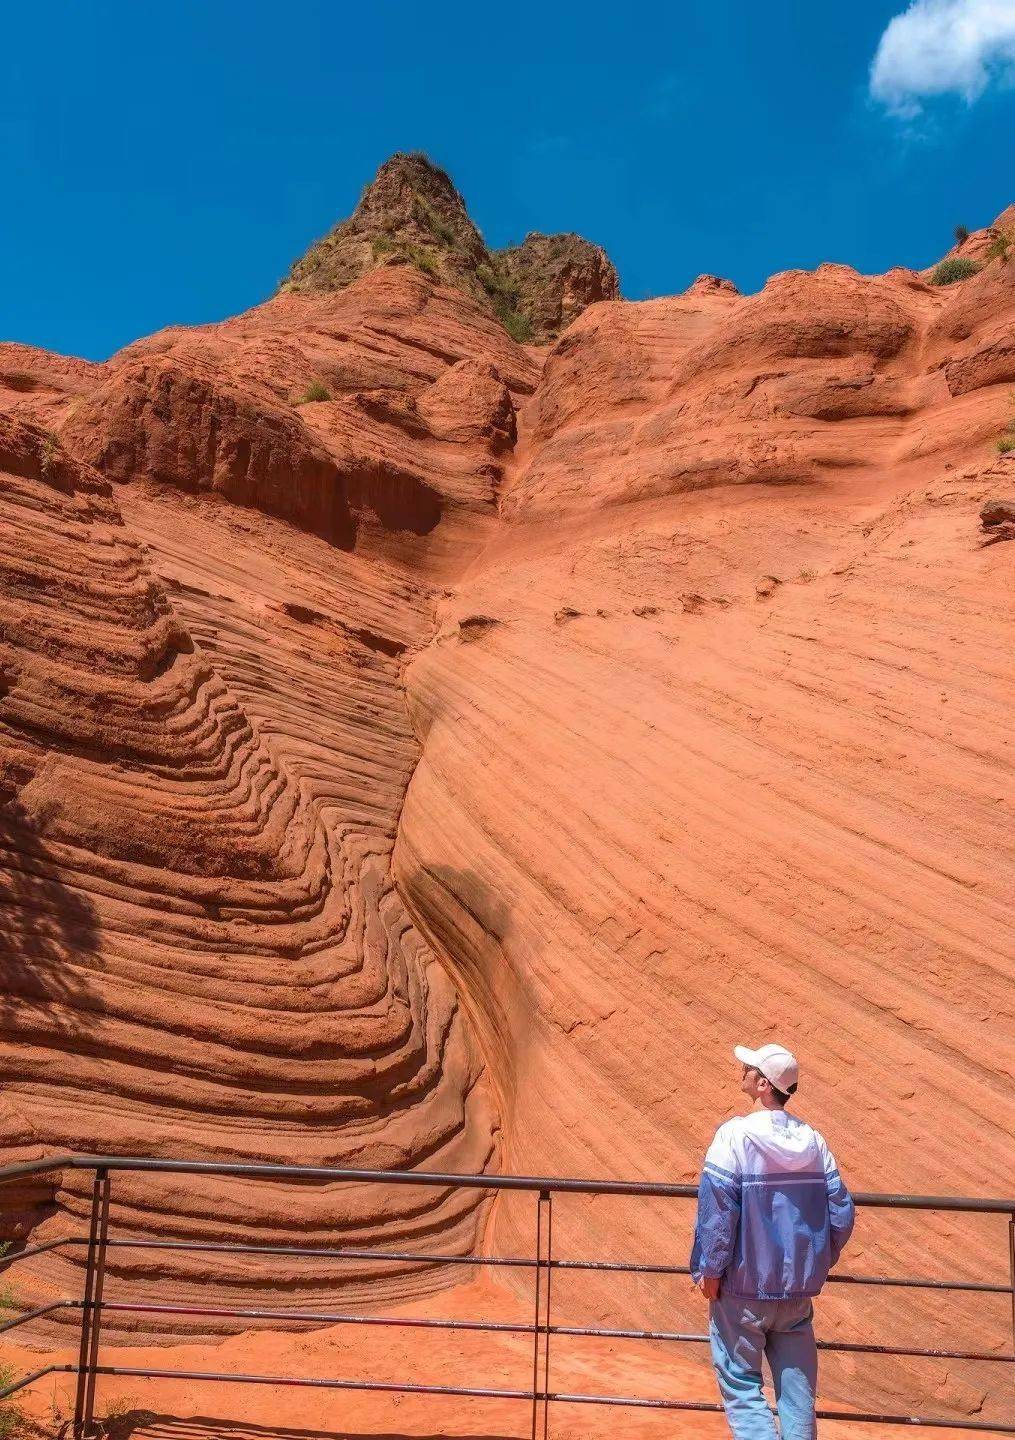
744	1055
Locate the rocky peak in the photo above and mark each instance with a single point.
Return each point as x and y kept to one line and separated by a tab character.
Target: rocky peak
411	214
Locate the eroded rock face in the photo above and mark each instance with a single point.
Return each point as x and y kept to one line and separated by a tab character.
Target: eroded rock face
555	278
411	214
658	700
157	418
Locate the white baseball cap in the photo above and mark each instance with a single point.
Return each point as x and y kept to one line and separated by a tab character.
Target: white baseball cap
775	1062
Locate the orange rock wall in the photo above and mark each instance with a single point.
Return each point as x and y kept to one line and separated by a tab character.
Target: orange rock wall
448	773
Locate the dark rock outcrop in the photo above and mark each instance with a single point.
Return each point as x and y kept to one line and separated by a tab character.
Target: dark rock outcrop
555	278
997	512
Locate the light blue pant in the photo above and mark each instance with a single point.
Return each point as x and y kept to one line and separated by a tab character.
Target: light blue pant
741	1332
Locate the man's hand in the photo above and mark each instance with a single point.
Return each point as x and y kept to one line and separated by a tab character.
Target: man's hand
709	1286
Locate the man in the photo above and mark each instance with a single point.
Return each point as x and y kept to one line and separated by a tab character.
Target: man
773	1217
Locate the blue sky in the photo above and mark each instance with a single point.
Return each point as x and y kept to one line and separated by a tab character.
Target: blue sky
165	164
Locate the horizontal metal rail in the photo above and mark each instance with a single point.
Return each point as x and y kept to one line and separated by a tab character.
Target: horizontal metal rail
307	1252
835	1346
485	1393
288	1316
27	1315
26	1380
488	1393
986	1205
519	1327
11	1256
436	1259
595	1332
857	1417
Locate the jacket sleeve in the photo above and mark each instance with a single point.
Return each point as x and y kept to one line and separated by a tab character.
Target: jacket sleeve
718	1217
841	1210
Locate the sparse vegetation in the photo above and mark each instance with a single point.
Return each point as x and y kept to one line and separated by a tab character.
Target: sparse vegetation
950	271
961	234
1000	245
497	286
314	391
8	1292
423	259
504	296
50	448
12	1417
1006	443
118	1406
403	252
427	216
518	326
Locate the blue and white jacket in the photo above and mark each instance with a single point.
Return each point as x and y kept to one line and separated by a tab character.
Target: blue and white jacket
773	1212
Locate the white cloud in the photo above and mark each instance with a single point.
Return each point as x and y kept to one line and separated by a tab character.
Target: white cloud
940	47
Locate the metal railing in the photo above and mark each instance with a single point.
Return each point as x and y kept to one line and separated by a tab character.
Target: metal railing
540	1396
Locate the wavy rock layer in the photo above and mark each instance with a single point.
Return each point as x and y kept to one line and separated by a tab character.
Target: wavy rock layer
205	749
638	706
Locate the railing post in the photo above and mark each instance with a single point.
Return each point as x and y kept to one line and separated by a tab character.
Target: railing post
536	1315
84	1402
549	1277
86	1310
541	1325
1011	1274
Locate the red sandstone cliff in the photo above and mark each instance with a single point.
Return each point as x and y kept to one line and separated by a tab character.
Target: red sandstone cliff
449	771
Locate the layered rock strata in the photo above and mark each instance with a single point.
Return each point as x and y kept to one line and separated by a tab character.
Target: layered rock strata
205	748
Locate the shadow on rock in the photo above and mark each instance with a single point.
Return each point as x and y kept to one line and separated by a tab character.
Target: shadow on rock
48	937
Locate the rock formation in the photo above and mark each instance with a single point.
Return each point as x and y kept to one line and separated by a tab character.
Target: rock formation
411	214
447	770
998	515
554	278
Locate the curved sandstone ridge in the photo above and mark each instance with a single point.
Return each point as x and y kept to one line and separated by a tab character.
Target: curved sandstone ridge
653	695
205	951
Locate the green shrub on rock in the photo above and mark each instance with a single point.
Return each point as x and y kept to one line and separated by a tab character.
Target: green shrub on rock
1000	244
314	391
519	327
956	268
